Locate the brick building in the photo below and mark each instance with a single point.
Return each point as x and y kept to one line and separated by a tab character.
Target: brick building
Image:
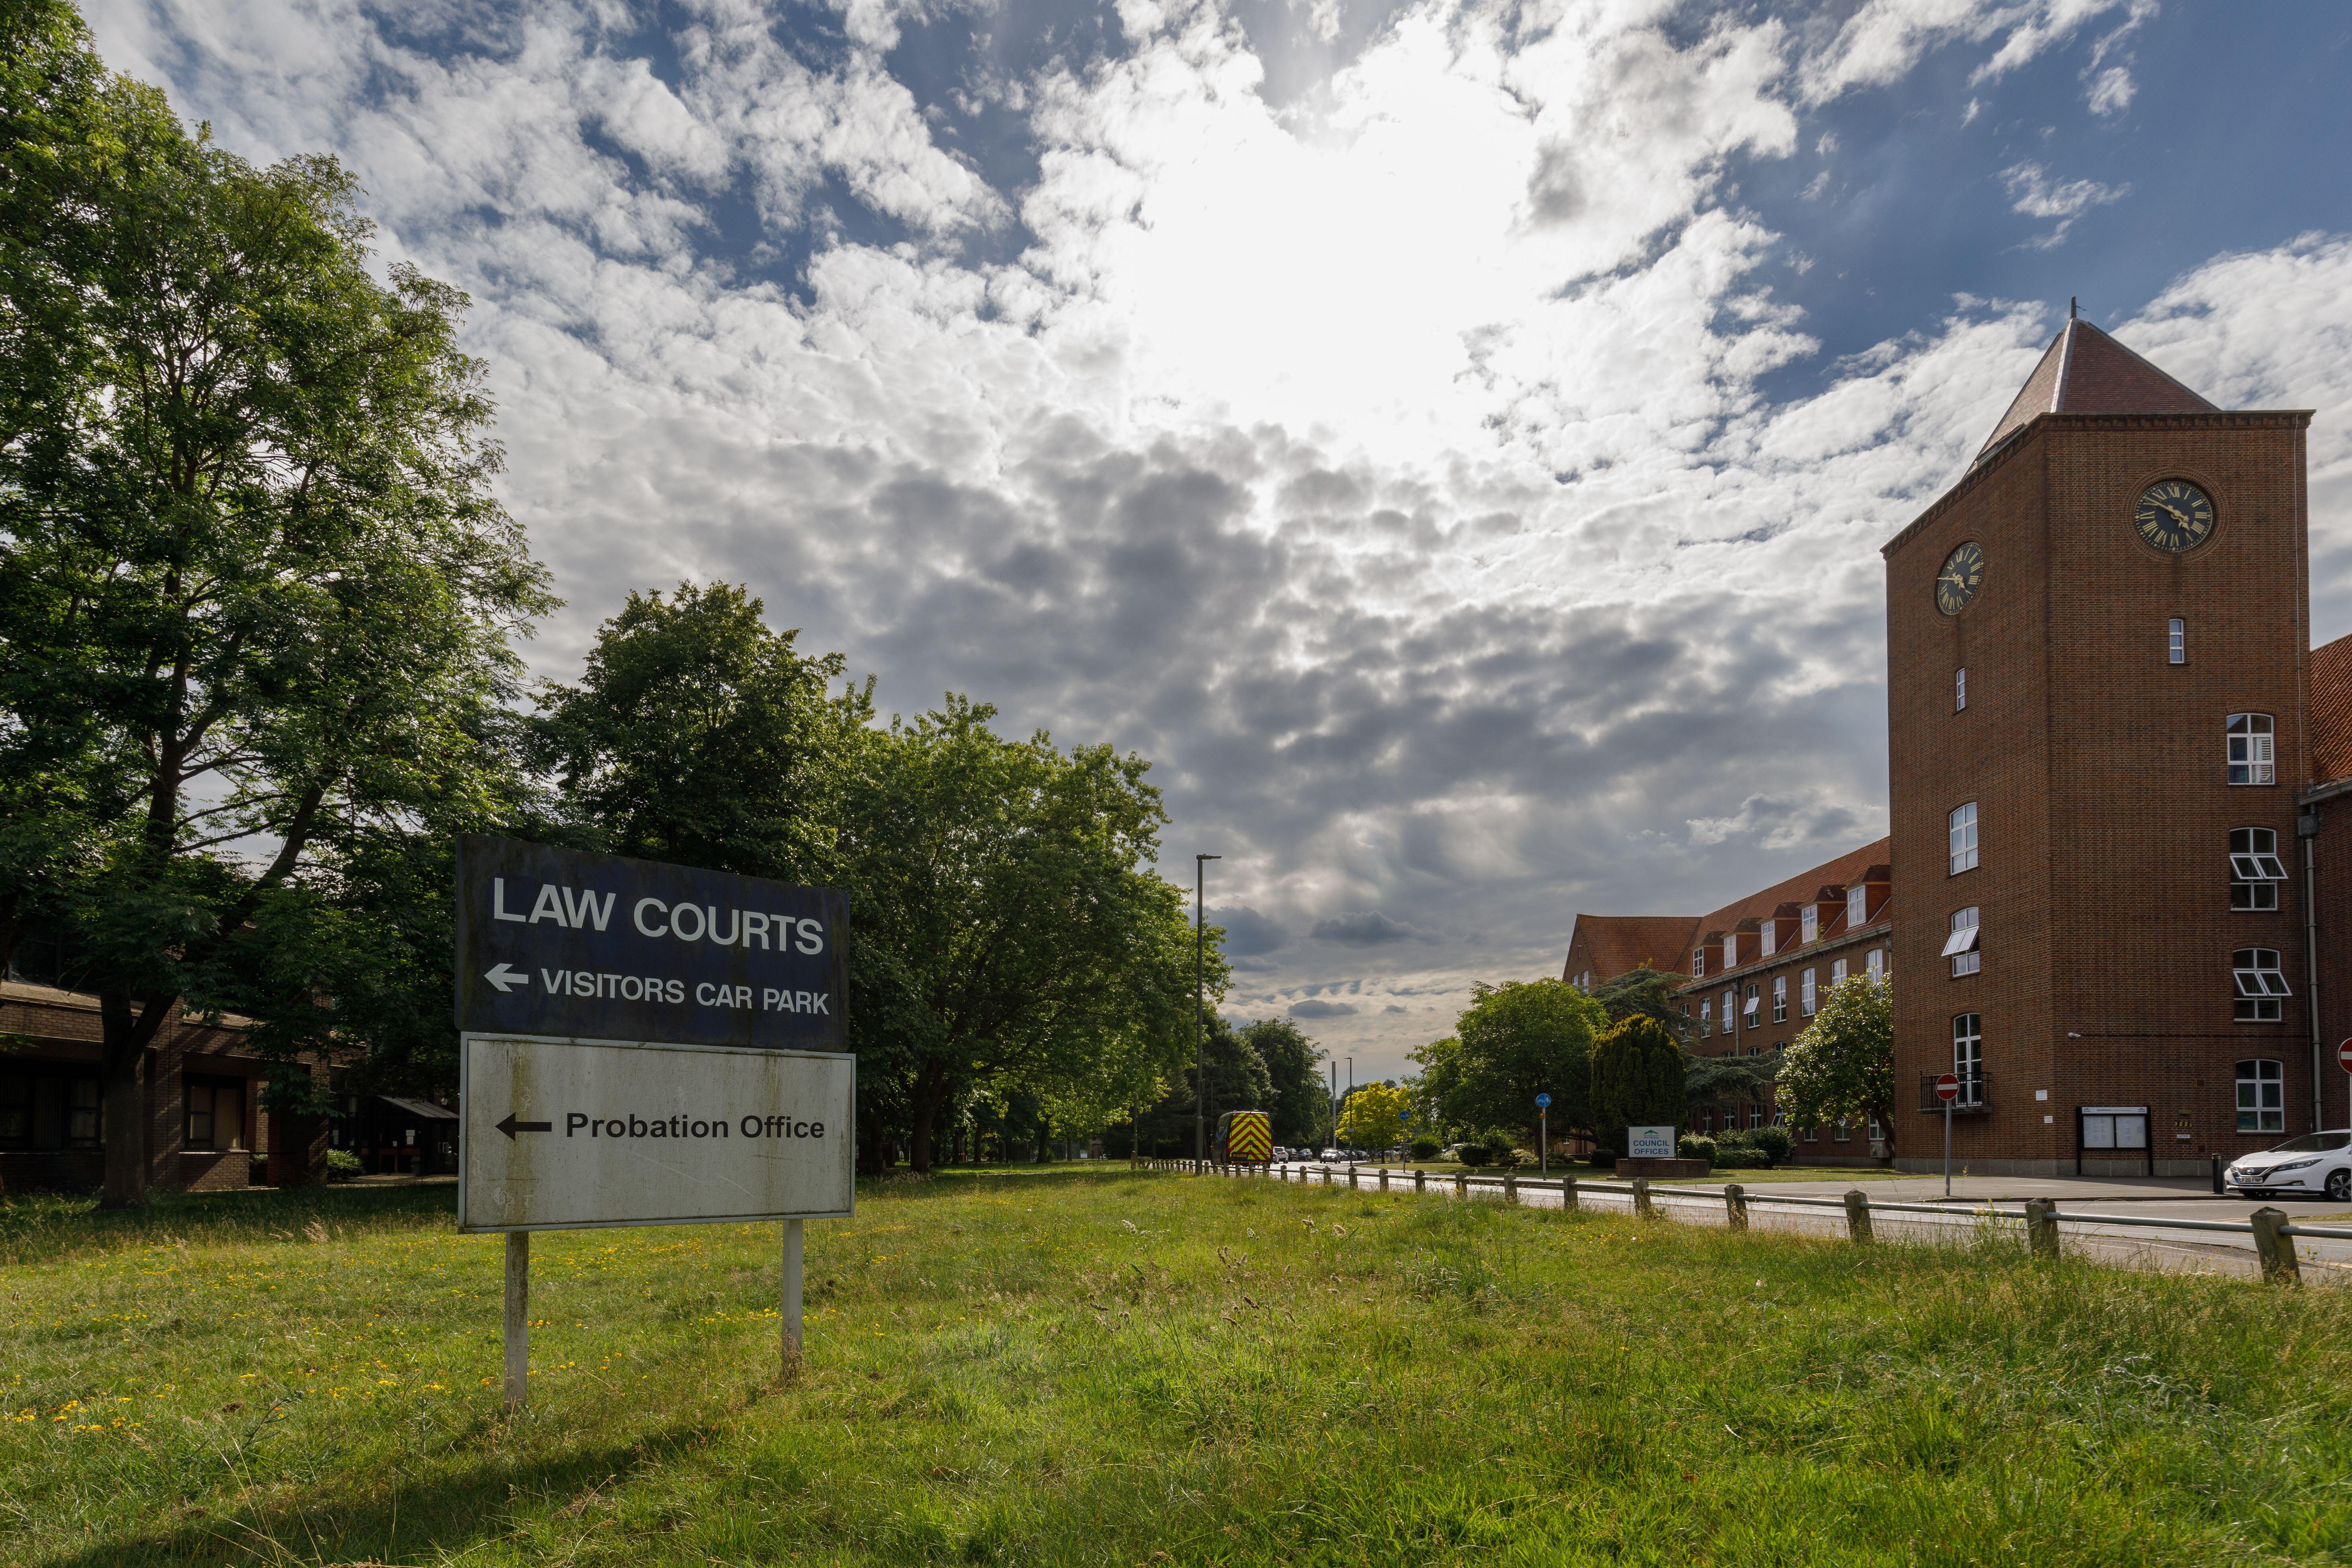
2104	726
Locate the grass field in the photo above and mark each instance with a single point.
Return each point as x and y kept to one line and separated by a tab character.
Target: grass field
1094	1367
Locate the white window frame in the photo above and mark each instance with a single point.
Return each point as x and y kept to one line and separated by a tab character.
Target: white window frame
1812	1132
2260	984
1968	1056
1752	1005
1874	961
1728	997
1837	972
2262	1095
2255	870
1806	994
1961	688
1698	961
1809	925
1962	947
1706	1020
1731	950
2252	749
1779	998
1857	906
1769	938
2175	641
1961	839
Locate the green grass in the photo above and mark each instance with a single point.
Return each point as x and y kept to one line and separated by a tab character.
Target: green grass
1094	1367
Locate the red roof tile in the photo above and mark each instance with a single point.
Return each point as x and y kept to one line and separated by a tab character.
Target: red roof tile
1849	868
2331	711
1621	943
2083	371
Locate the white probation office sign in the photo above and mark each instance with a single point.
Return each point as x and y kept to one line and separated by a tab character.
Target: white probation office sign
645	1044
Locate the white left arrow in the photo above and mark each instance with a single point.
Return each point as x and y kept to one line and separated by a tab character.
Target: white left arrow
505	979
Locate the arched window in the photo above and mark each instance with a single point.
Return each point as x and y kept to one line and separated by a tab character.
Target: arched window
2253	757
2261	1097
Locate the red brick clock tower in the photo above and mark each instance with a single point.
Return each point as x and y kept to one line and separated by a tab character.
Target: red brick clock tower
2096	705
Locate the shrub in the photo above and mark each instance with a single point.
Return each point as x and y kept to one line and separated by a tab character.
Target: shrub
1510	1159
1695	1146
341	1164
1426	1149
1602	1158
1476	1153
1774	1142
1741	1157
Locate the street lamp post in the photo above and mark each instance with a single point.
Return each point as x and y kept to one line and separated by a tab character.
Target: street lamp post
1200	1071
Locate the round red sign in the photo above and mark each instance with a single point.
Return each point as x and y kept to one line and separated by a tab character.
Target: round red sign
2343	1056
1948	1086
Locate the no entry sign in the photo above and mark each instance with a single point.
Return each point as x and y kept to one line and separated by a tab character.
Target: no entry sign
1947	1088
2343	1056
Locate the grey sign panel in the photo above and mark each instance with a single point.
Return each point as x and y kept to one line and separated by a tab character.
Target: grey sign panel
564	1134
560	943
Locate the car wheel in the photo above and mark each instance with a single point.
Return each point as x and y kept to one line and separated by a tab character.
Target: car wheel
2339	1186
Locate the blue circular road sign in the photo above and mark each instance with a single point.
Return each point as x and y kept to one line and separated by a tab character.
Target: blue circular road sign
1543	1102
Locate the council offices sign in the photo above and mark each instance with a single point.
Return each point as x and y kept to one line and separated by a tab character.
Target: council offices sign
558	943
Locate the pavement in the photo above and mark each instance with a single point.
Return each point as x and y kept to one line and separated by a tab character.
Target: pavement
2180	1247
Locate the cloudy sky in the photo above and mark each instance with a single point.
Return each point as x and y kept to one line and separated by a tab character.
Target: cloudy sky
1452	439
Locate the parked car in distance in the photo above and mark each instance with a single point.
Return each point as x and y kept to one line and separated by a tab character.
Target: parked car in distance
1329	1154
2315	1165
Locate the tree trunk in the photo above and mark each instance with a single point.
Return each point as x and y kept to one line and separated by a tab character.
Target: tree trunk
122	1130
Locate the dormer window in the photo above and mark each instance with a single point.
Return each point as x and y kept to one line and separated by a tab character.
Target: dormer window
1771	935
1731	950
1808	923
1857	906
1698	963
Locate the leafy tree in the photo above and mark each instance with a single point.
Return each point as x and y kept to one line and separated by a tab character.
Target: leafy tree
1842	1067
1236	1079
1005	923
1637	1080
258	589
699	736
1707	1078
1643	992
1374	1116
1514	1041
1296	1089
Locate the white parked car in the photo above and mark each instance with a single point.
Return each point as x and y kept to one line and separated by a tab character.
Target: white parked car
2313	1164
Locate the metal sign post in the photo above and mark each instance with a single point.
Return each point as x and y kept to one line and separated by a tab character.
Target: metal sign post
1947	1089
646	1043
1543	1135
2344	1061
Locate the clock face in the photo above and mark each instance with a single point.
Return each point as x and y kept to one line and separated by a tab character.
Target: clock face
2174	515
1962	575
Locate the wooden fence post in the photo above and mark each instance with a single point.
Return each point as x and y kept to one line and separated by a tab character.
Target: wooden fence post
2280	1266
1384	1178
1735	1205
1421	1181
1461	1185
1642	1198
1510	1186
1857	1216
2042	1227
1567	1192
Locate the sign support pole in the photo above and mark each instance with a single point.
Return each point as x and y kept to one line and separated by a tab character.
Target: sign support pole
1947	1148
517	1324
792	1302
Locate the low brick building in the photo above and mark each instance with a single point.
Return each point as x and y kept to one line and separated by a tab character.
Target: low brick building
202	1127
2119	879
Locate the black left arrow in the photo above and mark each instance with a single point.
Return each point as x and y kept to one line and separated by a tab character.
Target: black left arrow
511	1126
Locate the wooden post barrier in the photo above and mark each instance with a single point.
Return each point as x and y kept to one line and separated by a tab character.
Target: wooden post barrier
1642	1198
1384	1178
1567	1192
2042	1227
1857	1216
1352	1176
1461	1185
1735	1205
2280	1266
1510	1186
1421	1181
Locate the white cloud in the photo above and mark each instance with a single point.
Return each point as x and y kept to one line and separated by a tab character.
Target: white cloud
2111	92
1883	40
2033	193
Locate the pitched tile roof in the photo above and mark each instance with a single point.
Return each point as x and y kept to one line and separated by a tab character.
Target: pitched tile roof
2083	371
2331	711
1851	867
1620	943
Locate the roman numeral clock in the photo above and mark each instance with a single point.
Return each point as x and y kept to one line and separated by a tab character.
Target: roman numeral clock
2173	515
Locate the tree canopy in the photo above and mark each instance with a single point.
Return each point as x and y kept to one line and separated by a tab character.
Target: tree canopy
1514	1041
1296	1092
259	591
1840	1067
1637	1080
